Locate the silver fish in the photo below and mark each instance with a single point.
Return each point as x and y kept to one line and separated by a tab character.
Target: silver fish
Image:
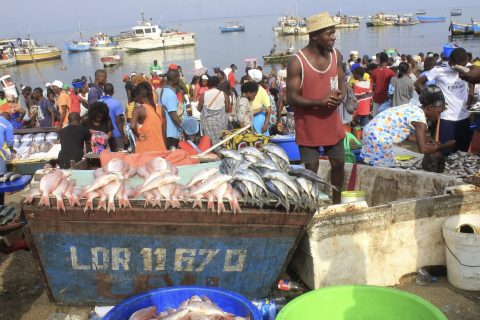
312	176
277	151
253	152
283	177
227	153
249	175
15	177
240	165
250	158
277	195
267	164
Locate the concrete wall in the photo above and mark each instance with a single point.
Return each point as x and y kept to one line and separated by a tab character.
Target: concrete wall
358	244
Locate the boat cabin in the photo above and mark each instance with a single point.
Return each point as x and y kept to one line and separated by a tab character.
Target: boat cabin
234	25
101	39
27	43
147	30
456	12
290	22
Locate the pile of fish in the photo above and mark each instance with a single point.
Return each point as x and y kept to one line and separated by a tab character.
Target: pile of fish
195	308
263	176
10	177
29	144
459	163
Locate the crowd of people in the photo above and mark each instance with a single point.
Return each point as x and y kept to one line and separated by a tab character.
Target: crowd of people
321	94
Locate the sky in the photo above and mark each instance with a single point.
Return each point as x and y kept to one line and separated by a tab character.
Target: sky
47	16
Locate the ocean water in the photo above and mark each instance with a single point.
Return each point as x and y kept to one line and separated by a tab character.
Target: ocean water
214	47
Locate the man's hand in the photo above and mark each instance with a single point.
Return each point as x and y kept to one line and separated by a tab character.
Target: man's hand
125	140
432	142
18	119
473	76
450	145
333	99
59	128
280	127
143	137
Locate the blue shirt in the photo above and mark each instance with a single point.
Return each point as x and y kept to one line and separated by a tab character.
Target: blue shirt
116	109
355	65
170	102
94	94
6	136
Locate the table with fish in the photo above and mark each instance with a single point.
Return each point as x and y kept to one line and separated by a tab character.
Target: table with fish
102	236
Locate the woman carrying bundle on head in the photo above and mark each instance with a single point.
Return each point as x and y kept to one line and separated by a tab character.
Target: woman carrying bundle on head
149	121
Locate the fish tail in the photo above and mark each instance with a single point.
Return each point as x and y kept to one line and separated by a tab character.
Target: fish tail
158	203
29	199
198	203
136	194
126	203
210	205
88	204
102	204
168	203
220	206
60	205
111	206
176	203
44	200
76	201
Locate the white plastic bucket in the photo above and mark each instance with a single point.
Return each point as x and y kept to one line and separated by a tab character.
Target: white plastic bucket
352	196
462	252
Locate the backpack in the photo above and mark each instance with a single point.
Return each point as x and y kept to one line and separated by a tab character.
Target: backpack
351	102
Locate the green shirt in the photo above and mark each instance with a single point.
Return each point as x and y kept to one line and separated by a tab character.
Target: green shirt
3	101
155	68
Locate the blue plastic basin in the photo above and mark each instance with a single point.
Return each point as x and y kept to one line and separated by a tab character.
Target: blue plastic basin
172	297
77	85
447	50
288	144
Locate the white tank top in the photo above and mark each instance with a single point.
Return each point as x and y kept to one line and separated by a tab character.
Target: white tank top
219	102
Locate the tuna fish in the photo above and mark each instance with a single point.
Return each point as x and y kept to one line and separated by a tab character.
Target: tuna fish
307	174
249	175
228	153
252	151
239	165
282	177
202	176
277	151
47	185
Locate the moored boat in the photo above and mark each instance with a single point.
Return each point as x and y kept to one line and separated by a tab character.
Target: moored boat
290	26
457	28
40	53
359	17
79	46
431	19
456	12
146	36
277	57
420	12
233	27
112	60
7	57
103	42
409	14
476	27
346	22
382	19
406	23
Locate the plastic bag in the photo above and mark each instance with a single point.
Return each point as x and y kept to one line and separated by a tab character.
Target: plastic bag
384	106
433	162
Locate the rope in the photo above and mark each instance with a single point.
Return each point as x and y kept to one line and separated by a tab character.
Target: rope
455	255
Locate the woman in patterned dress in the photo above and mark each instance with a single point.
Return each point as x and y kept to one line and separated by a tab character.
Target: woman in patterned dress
403	122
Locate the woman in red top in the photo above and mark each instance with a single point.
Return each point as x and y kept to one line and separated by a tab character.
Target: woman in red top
316	87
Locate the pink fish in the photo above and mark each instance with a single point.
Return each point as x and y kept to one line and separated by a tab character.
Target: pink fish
59	192
47	185
114	165
157	182
148	198
153	176
33	192
156	164
111	190
178	194
144	314
209	196
131	172
166	191
125	169
129	191
90	196
156	194
102	181
202	176
143	172
99	172
102	202
211	183
122	198
218	193
71	196
232	198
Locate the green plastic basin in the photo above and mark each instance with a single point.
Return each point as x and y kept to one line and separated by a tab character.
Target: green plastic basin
356	302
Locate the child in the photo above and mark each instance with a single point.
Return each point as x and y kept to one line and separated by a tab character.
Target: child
72	139
363	92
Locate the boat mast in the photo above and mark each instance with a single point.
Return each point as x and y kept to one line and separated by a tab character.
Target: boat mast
80	32
289	7
143	14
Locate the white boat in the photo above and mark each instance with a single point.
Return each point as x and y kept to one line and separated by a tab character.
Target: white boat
290	26
146	36
102	42
409	14
346	22
29	47
112	60
359	17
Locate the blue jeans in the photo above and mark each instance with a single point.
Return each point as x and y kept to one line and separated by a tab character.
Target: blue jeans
362	120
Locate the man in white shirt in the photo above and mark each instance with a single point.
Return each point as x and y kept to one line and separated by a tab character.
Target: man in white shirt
454	121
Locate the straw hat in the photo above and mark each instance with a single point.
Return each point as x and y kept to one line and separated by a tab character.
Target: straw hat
319	21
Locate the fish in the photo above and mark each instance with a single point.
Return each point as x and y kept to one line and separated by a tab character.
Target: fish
202	176
89	203
122	198
71	196
125	169
286	192
129	191
205	308
51	136
152	176
239	165
6	177
166	191
242	189
33	148
98	172
175	316
131	172
148	198
33	192
47	185
143	172
251	158
114	165
250	175
211	183
277	195
179	193
59	192
144	314
157	182
252	151
102	181
218	194
102	202
267	164
276	150
228	153
307	174
232	197
194	316
111	190
209	196
157	198
156	164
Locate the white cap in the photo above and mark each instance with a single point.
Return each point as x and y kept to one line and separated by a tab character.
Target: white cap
282	73
57	83
48	84
255	74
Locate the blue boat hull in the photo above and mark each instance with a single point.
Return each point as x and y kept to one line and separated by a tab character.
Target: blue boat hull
222	29
77	48
431	19
461	28
476	28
